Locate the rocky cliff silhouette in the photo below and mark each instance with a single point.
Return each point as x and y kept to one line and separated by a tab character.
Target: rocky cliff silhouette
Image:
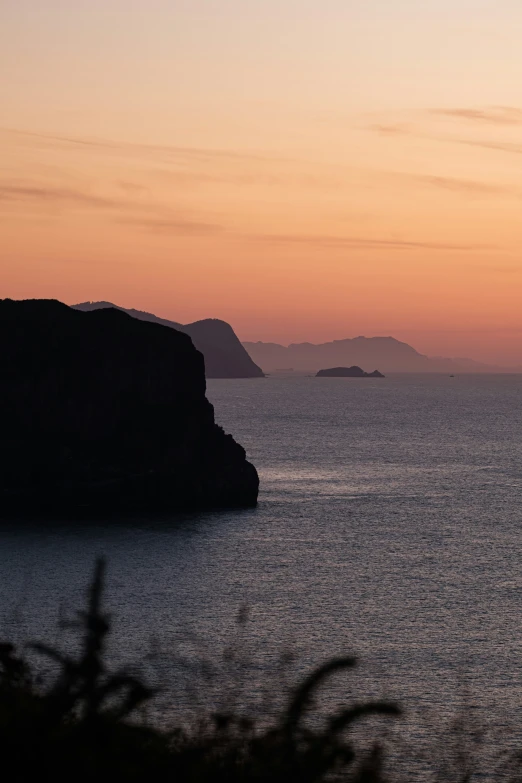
100	411
225	356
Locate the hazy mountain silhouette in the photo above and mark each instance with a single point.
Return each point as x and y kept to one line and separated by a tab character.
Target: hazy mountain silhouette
386	353
101	411
225	356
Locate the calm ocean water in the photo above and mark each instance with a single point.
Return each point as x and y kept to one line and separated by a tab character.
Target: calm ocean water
389	525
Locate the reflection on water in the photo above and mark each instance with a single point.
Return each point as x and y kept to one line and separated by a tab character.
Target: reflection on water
389	524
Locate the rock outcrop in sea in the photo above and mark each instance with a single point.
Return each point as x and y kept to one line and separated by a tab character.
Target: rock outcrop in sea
102	412
348	372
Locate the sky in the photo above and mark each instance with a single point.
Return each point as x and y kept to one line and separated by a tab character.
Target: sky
306	170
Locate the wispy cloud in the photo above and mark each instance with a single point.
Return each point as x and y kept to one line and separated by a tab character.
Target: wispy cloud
165	151
193	166
461	185
512	148
453	184
143	215
179	226
391	129
363	243
54	195
500	146
493	115
286	178
190	167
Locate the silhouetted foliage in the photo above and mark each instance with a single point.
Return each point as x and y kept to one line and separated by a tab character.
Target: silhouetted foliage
86	723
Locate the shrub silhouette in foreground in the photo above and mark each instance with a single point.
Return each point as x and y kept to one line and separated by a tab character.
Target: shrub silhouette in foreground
86	723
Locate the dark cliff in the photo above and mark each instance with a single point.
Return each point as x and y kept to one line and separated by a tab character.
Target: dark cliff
100	411
225	356
348	372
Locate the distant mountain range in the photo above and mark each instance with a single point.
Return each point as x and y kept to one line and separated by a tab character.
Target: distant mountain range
224	355
386	353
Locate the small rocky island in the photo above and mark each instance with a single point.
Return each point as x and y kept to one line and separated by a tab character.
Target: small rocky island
348	372
101	412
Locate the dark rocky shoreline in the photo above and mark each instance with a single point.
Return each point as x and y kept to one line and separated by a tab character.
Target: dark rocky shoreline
102	413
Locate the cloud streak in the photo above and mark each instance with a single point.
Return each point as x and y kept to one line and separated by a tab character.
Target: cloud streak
495	115
52	195
146	216
457	185
390	129
452	184
175	226
363	243
500	146
165	151
292	179
402	130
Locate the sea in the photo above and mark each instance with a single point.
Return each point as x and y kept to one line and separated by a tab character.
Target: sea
389	527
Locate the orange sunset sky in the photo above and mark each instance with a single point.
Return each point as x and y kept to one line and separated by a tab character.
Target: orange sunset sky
304	170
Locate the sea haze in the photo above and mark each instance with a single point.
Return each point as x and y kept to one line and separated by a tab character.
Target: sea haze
389	525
